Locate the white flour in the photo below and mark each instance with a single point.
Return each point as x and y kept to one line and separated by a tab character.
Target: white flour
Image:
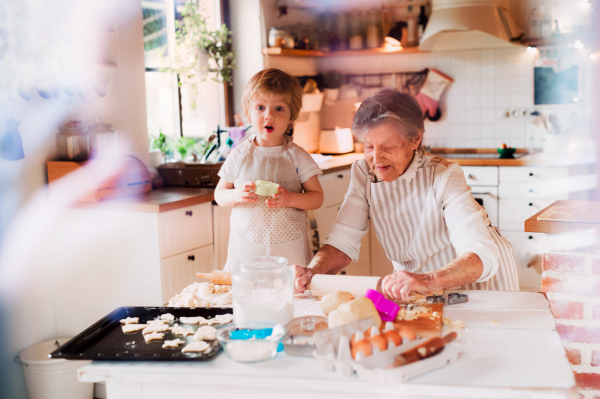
251	350
265	305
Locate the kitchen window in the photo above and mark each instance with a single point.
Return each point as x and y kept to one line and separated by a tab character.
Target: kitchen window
168	106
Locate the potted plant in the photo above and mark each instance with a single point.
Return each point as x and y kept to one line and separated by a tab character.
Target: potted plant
332	81
159	148
200	52
184	146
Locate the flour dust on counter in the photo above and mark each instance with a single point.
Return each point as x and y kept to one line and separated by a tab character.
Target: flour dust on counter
203	295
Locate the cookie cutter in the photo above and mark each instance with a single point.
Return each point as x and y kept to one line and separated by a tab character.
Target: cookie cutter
435	299
455	297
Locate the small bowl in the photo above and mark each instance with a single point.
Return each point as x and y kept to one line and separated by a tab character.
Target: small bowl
506	153
253	349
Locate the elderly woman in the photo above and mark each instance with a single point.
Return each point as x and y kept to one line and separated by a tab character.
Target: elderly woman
431	228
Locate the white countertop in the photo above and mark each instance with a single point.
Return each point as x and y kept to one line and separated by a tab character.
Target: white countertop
519	356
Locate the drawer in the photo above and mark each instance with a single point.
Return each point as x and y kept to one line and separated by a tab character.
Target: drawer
514	212
481	175
184	229
179	271
527	251
531	173
540	189
335	186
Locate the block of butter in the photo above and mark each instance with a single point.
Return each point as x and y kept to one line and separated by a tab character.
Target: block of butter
266	188
358	309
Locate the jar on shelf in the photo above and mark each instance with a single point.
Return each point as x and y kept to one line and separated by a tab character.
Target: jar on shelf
341	29
276	36
72	142
373	29
263	291
356	31
102	139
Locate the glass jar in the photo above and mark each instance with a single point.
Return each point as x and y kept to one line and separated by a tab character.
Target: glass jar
341	28
72	142
356	31
373	29
103	140
263	291
276	37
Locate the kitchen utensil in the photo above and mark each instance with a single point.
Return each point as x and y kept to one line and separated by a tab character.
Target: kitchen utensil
266	188
298	340
207	153
322	284
251	342
386	308
216	277
105	339
337	141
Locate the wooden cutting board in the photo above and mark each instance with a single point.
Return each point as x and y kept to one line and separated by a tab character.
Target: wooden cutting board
427	324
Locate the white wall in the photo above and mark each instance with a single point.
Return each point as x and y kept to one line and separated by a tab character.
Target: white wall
59	41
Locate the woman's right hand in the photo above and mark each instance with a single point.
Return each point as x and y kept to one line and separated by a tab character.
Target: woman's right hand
302	277
246	193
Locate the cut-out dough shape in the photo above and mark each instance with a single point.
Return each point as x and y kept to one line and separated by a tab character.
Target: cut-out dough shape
173	344
198	346
167	316
152	328
157	321
153	336
178	330
130	320
209	322
205	333
192	320
224	318
127	328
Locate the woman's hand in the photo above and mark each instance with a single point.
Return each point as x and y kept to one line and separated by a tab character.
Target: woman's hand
246	193
400	285
280	199
302	277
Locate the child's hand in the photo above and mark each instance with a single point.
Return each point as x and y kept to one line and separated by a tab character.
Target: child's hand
280	199
246	193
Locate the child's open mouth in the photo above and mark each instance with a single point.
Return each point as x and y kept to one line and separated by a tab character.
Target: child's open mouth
269	128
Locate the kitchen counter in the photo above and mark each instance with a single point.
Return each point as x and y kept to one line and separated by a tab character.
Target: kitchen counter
565	216
510	348
155	201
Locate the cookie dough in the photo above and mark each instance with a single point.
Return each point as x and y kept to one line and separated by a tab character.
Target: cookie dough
224	318
192	320
197	346
167	316
127	328
178	330
154	336
173	344
153	328
130	320
205	333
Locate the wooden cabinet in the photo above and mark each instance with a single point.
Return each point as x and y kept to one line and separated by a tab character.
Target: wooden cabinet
179	271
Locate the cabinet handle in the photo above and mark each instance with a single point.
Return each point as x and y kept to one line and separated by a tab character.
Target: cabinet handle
531	190
531	174
191	257
471	177
340	176
531	204
531	237
188	213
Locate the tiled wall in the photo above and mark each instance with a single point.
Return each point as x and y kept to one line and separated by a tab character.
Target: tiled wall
487	84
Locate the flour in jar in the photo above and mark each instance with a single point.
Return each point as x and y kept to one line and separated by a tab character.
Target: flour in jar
267	305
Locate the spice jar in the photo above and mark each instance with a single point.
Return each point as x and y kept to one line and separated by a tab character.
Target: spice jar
276	37
72	142
103	140
263	291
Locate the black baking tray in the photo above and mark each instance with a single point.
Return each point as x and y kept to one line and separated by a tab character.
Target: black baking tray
105	340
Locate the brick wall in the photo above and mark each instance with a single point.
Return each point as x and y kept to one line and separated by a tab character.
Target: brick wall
571	281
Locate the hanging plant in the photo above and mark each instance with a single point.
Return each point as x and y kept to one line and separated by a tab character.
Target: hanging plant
201	52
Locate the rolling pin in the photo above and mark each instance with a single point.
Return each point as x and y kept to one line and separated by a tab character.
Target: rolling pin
216	277
322	284
426	349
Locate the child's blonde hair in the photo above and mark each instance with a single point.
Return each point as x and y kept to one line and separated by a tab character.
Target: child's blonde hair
274	81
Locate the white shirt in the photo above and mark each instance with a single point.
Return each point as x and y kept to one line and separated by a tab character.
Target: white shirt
465	219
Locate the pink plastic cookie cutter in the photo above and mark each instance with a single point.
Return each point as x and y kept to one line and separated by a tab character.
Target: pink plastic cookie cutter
386	308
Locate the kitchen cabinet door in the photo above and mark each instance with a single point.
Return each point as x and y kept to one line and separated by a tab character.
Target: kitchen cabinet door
335	185
184	229
179	271
221	230
514	212
527	250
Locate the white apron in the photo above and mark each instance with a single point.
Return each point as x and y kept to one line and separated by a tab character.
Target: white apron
256	229
410	226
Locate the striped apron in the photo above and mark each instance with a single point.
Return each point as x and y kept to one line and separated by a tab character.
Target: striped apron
410	226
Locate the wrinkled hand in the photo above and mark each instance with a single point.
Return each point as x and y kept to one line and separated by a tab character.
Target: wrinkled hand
246	193
280	199
302	277
399	285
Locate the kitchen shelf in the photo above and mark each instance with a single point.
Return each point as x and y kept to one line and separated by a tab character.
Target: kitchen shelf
346	53
564	40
